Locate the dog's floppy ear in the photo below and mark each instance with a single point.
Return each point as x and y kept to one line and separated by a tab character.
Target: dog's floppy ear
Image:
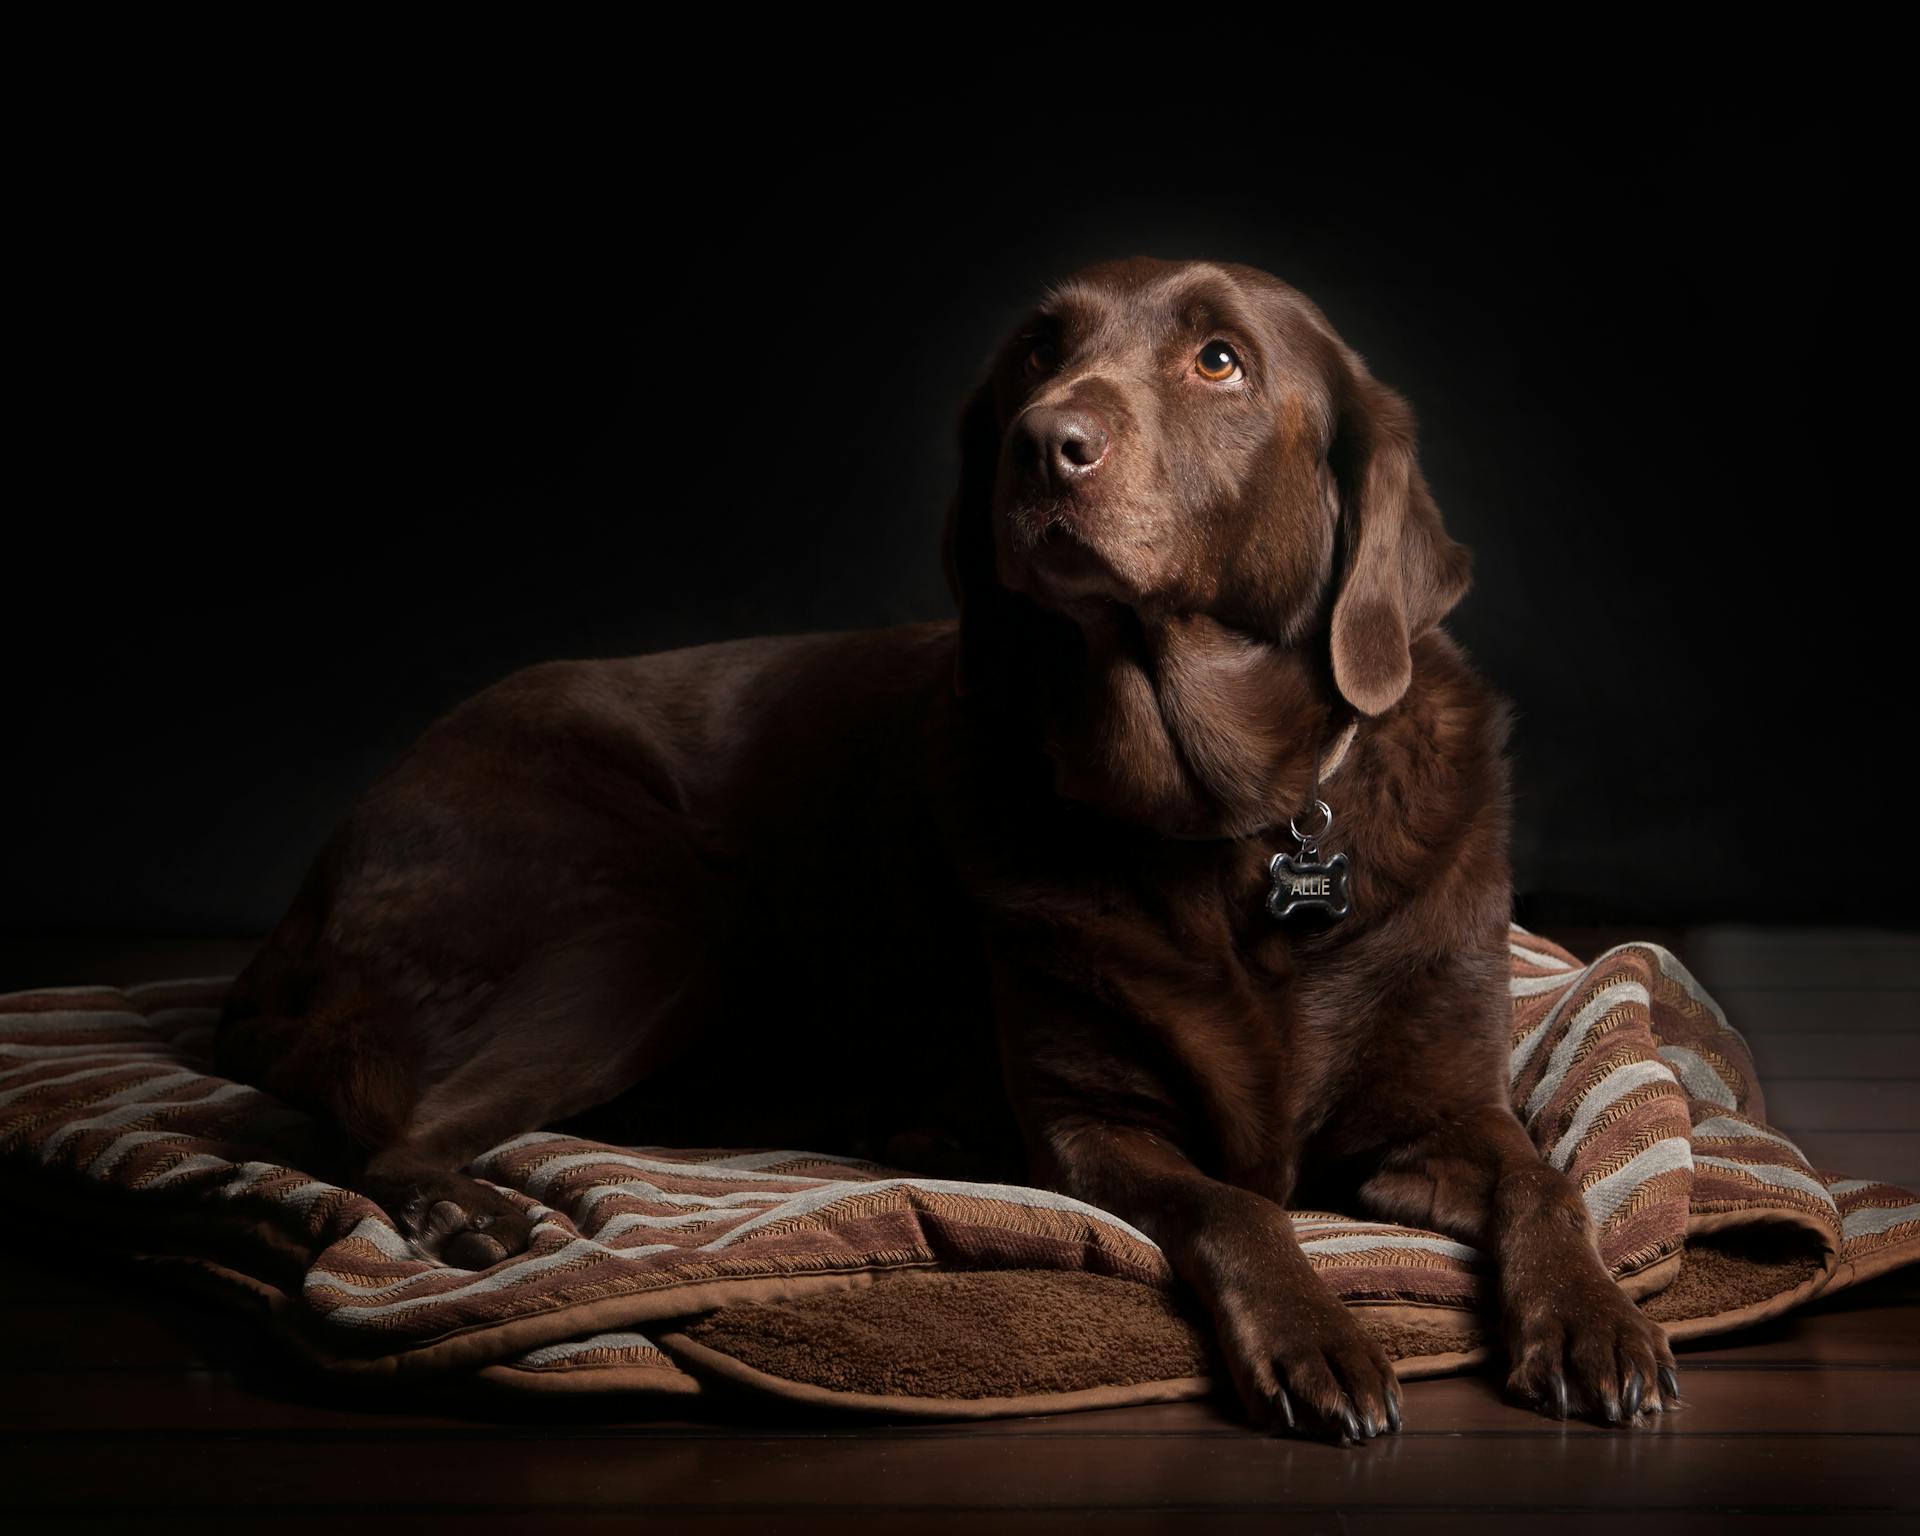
966	552
1401	573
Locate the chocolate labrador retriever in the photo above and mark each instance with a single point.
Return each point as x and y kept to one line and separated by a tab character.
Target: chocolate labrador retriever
1173	876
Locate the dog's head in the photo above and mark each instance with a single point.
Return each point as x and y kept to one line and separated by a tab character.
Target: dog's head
1193	437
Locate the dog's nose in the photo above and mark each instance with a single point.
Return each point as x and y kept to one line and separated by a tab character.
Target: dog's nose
1061	445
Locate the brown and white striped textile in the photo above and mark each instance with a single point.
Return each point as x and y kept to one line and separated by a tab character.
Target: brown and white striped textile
828	1279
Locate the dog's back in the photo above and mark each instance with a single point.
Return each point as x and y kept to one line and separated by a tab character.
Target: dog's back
699	894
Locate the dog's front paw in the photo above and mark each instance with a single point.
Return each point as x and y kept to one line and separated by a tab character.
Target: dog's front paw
1303	1365
1585	1348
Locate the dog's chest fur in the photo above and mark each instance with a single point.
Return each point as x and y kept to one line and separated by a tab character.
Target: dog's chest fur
1289	1031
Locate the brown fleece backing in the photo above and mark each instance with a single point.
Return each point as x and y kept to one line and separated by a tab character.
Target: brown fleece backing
1728	1271
999	1333
1412	1341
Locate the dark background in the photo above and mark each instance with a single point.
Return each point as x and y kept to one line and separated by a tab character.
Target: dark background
347	395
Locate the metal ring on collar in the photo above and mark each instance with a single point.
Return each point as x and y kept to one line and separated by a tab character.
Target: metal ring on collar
1293	824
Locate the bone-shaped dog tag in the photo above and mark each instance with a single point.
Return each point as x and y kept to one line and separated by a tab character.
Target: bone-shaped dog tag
1307	884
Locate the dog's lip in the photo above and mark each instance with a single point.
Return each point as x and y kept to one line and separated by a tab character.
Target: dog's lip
1058	542
1063	566
1051	530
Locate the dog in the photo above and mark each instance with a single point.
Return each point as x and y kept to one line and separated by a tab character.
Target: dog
997	897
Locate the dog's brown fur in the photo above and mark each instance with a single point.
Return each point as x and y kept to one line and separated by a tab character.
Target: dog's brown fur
771	891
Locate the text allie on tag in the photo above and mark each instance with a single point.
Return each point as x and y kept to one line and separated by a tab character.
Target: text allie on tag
1308	885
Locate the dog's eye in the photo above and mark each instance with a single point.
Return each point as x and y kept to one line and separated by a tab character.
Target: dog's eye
1217	361
1041	357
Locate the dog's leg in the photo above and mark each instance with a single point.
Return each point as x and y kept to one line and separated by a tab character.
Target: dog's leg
1575	1341
574	1026
419	1092
1100	1125
1297	1356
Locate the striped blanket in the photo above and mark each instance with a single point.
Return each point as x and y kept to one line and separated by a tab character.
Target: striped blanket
812	1277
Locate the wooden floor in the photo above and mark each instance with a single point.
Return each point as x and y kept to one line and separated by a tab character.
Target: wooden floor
120	1406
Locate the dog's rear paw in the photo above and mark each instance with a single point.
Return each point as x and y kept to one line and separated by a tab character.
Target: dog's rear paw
454	1237
449	1217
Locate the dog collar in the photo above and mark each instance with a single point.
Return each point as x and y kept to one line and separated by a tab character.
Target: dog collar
1324	768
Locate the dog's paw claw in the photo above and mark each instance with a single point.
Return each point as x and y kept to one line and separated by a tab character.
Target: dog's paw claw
1285	1404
